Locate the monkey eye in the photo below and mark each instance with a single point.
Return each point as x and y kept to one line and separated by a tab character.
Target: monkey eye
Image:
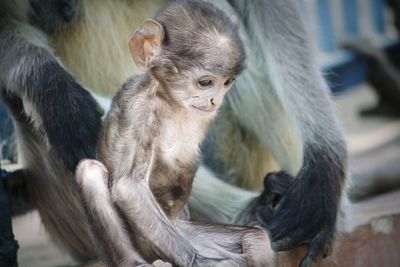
229	81
205	83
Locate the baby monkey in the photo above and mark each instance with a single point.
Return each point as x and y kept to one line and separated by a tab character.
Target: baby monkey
149	146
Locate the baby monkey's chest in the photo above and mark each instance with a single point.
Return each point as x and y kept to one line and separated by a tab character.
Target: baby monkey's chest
176	162
172	185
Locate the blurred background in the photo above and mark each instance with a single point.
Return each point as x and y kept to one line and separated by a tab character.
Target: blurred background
358	49
359	52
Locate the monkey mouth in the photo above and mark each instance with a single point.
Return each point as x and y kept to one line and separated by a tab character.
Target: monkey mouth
204	109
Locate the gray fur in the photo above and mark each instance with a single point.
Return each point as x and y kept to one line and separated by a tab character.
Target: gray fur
27	87
150	174
282	99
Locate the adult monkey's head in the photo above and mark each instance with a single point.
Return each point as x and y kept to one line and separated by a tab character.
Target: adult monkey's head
54	16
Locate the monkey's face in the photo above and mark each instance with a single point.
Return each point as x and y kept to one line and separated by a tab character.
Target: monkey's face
201	91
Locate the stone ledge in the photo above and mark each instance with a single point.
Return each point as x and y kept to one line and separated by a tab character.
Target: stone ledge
373	239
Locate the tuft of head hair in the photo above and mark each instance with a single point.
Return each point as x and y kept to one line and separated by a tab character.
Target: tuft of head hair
198	34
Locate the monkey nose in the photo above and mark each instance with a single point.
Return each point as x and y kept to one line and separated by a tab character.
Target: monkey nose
213	102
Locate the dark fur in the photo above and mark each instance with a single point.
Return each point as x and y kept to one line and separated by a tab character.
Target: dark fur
74	105
56	121
321	224
49	89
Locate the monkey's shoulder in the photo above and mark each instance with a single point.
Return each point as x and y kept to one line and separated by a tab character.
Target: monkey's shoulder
135	94
133	85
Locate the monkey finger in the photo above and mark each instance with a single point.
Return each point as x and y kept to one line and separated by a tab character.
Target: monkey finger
278	183
328	250
289	240
264	215
316	247
306	262
309	258
160	263
275	186
286	243
211	261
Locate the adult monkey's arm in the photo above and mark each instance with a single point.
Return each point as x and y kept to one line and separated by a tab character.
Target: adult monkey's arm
294	106
52	100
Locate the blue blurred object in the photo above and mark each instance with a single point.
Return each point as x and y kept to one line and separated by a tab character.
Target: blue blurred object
349	69
350	13
335	22
327	42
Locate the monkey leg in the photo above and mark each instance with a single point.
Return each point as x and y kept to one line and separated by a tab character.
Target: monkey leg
214	245
244	246
157	263
107	227
139	207
154	231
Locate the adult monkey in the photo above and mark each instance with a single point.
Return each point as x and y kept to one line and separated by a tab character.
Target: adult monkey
283	107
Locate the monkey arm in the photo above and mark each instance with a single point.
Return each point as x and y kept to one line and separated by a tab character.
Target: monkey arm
296	123
52	100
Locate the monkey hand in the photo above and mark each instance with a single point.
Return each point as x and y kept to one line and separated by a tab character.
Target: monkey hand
219	261
72	124
160	263
296	211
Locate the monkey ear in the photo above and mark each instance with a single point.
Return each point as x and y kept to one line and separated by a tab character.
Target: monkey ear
145	43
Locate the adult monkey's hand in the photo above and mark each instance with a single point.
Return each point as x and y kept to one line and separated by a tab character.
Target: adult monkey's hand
299	128
303	210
